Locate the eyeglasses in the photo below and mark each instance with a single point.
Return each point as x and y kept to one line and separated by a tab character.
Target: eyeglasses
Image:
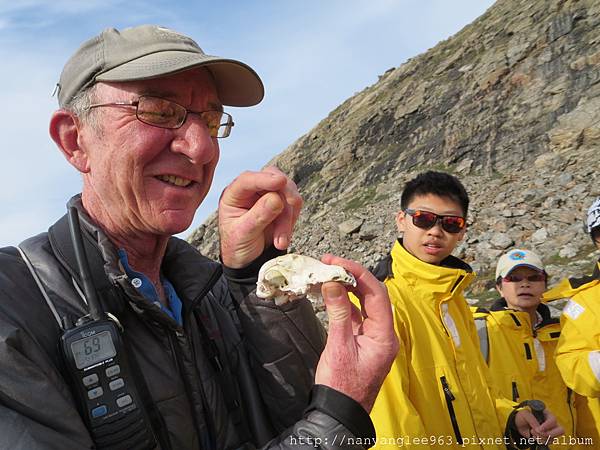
163	113
518	278
426	220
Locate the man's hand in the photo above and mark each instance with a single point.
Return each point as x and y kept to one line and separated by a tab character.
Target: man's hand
256	210
361	346
528	426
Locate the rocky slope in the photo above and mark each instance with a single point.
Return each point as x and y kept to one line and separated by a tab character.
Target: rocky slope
510	104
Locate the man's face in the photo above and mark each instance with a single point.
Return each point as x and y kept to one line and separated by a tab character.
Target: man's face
145	179
596	236
522	295
434	244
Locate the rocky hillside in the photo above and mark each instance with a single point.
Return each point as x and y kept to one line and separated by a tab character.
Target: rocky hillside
510	104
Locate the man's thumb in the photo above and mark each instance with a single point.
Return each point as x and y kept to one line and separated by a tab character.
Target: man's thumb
339	308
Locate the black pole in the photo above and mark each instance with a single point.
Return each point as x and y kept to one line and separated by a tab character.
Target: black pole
537	408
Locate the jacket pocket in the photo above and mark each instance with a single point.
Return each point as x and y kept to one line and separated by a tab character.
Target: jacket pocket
449	399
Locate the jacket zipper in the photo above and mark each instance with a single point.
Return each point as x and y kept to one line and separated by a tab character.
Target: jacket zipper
212	355
515	391
186	382
569	396
211	350
449	399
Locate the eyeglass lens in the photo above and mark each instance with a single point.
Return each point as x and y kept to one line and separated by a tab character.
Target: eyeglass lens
167	114
426	220
519	278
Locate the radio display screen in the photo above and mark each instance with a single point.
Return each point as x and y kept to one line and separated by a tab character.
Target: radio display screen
93	349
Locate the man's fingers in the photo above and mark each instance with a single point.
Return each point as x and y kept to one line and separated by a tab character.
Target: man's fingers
283	227
357	319
372	295
289	191
267	208
527	423
551	427
249	186
339	311
252	192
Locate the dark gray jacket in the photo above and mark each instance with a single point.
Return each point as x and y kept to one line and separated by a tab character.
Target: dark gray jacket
238	374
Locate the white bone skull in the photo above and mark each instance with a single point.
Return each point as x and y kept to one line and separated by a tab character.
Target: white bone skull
291	276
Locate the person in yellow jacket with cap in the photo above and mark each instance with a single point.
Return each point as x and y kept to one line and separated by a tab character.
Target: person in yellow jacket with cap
437	393
518	336
578	350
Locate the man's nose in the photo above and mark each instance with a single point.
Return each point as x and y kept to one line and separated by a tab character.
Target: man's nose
193	140
436	229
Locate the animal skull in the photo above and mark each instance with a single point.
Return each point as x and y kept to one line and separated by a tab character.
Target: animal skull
291	276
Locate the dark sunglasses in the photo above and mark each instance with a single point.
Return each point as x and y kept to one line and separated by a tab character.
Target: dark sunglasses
426	220
518	278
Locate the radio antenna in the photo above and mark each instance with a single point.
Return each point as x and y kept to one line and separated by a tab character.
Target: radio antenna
84	269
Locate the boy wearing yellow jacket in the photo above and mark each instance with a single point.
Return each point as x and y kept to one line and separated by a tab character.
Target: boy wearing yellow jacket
578	351
436	395
518	336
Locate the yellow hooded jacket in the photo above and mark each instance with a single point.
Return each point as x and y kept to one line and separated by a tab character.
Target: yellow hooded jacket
521	361
578	350
436	394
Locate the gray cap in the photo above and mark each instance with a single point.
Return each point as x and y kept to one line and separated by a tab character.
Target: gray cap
150	51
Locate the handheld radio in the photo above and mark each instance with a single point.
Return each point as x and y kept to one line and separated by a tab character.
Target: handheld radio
101	376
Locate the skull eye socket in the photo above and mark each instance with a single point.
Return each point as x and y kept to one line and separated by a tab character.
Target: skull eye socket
276	278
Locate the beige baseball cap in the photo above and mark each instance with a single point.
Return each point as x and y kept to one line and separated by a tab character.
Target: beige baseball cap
518	258
150	51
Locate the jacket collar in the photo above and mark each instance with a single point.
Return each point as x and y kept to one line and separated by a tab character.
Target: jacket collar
517	319
451	277
570	286
187	270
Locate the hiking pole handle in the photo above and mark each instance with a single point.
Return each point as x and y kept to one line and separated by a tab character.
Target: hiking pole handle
537	409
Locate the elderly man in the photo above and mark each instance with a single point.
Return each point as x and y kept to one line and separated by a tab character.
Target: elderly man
204	363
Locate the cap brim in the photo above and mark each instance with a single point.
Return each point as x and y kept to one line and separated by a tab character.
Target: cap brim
531	266
237	83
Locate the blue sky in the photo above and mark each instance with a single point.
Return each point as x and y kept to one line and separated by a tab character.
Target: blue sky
311	55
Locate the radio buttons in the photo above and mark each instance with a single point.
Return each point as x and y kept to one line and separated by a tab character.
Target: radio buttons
124	401
116	384
95	393
90	379
113	370
99	411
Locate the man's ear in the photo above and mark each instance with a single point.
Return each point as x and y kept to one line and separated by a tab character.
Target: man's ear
64	130
499	288
461	234
400	221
